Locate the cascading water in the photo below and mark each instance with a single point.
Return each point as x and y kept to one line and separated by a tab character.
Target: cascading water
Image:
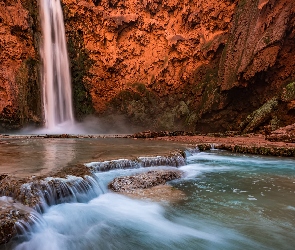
57	93
230	201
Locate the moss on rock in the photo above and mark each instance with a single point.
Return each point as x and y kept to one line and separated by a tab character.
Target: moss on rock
29	93
259	116
143	107
288	93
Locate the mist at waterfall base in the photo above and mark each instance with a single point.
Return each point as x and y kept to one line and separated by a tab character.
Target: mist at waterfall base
56	82
114	124
232	202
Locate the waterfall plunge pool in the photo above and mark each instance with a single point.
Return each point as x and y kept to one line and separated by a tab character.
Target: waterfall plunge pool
23	157
232	202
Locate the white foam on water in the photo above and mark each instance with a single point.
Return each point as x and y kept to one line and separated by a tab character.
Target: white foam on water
290	208
101	222
112	221
196	169
238	161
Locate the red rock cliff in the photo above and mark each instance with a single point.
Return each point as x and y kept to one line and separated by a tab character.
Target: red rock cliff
154	61
18	71
205	65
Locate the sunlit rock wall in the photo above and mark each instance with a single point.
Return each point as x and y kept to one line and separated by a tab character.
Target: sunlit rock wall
19	84
197	65
156	62
194	65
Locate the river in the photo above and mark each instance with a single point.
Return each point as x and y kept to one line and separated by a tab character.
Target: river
232	201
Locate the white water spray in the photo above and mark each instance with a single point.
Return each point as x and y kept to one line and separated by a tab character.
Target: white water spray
57	93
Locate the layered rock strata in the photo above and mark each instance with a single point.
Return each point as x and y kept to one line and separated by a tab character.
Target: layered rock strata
285	134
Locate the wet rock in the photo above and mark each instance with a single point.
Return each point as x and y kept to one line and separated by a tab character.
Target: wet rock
284	134
79	170
10	213
129	184
173	159
36	193
246	144
204	146
258	150
39	192
60	136
155	134
159	193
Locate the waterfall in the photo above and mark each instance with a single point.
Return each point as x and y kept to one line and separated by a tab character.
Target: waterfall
57	93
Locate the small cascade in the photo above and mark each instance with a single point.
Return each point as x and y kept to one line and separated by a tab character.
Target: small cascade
51	191
175	160
191	151
171	161
57	92
25	226
112	165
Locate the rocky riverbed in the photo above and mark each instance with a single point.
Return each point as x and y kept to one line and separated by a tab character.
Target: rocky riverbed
72	183
34	193
249	143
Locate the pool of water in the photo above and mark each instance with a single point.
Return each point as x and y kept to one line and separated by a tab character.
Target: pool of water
232	202
24	157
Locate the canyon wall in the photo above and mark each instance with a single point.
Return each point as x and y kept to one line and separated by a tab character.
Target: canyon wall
163	65
19	65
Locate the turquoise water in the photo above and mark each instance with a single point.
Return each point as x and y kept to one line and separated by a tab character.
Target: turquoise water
232	202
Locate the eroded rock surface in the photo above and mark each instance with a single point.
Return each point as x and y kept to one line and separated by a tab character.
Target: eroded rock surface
159	193
19	87
148	60
285	134
174	64
22	196
10	213
131	184
163	65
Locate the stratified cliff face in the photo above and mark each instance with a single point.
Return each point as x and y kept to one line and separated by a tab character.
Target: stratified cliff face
19	90
196	65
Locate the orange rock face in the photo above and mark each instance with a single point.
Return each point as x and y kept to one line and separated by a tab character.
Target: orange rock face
16	58
147	55
173	64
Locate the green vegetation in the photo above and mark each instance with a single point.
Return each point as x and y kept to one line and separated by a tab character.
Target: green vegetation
144	108
80	65
259	116
27	77
32	7
242	3
207	88
266	40
288	93
29	93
